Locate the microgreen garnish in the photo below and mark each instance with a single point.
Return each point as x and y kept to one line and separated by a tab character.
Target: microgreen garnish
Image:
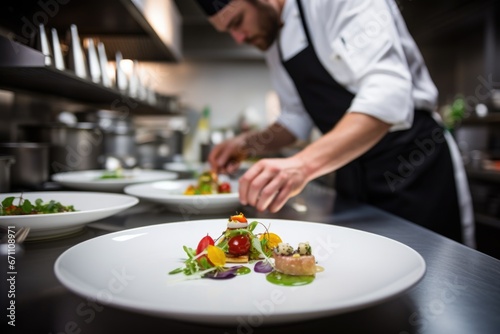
209	259
24	206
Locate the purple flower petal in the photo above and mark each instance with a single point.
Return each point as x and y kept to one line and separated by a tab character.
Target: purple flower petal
224	274
263	267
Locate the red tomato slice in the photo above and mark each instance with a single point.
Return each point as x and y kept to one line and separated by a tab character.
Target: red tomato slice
203	244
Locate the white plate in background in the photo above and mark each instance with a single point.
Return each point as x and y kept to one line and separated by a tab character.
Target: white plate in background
198	167
90	206
360	269
171	194
189	167
90	179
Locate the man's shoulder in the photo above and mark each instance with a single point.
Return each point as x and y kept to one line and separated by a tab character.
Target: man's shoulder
327	9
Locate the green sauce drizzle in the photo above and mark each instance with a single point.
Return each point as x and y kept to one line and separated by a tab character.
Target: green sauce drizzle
278	278
243	271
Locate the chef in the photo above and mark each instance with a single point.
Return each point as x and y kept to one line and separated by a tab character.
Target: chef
351	69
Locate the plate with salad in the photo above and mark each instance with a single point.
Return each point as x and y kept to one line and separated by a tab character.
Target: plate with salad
206	194
110	180
183	270
54	214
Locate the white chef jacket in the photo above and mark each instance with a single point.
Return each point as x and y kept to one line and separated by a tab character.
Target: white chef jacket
366	47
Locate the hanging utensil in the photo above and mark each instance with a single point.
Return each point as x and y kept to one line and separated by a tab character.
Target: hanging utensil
103	62
76	55
94	68
56	49
43	45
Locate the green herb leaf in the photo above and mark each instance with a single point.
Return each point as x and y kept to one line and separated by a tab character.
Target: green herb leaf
27	206
256	245
8	202
176	271
239	231
191	253
252	225
49	208
204	264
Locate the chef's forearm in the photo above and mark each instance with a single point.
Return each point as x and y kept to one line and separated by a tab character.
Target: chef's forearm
269	140
355	134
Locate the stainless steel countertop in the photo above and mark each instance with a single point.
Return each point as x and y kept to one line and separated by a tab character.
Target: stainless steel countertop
460	292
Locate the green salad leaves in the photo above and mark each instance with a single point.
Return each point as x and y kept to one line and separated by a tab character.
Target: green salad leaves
10	207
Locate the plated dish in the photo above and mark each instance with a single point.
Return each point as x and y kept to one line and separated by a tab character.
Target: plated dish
89	206
96	180
171	194
360	269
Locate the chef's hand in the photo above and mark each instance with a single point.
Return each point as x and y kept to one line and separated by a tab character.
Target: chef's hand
226	157
269	183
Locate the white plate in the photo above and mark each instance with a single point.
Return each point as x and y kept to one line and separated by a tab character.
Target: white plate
91	207
197	167
171	194
192	167
89	180
129	269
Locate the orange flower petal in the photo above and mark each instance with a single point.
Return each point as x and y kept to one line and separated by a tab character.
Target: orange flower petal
272	239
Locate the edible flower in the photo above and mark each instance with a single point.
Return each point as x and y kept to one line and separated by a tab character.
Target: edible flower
270	240
216	256
239	218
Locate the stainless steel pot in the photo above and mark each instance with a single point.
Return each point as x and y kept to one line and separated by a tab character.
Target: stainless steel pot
156	149
5	164
119	137
72	147
32	161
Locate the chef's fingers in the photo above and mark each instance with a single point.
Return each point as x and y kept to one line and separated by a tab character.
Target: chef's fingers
274	195
280	198
213	157
229	155
245	182
220	155
260	183
231	166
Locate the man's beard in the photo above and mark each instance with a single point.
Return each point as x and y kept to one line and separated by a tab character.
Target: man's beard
269	26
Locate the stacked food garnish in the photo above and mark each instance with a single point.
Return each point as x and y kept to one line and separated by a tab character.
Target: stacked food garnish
239	244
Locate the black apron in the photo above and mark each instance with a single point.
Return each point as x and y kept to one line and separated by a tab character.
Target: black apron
408	173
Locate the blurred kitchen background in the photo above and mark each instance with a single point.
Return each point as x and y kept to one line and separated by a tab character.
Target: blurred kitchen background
86	83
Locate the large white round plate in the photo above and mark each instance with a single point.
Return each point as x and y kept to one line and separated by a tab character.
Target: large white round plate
129	270
90	207
90	179
171	194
